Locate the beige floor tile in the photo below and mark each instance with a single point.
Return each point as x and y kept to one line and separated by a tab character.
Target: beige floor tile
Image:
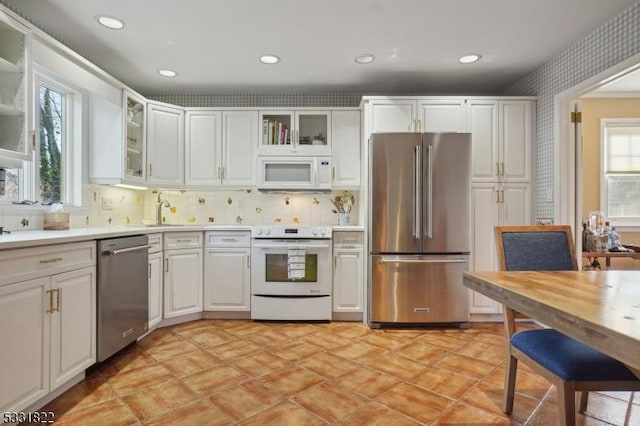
422	352
234	349
328	365
140	378
285	413
353	330
245	400
375	414
259	363
171	349
191	362
465	365
298	330
91	391
384	340
359	351
367	382
397	366
483	351
464	414
194	327
327	340
330	402
130	358
113	412
291	381
269	338
296	350
215	379
197	413
210	340
156	401
158	337
527	383
417	403
442	340
444	382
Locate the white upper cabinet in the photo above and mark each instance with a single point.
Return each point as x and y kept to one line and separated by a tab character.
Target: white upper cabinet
303	132
135	143
393	115
345	148
220	148
240	133
203	148
165	145
442	115
501	133
16	121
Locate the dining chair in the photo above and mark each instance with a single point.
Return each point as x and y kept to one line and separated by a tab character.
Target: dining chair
568	364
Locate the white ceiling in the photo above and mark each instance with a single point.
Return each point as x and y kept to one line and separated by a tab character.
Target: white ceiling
214	44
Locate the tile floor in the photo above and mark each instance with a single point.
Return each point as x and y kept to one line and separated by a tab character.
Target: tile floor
223	372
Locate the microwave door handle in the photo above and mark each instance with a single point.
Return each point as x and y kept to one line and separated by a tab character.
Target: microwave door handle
428	210
417	183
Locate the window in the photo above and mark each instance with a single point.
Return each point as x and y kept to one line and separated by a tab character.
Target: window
55	174
620	188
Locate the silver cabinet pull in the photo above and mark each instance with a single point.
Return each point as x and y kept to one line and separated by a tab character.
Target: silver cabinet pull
383	261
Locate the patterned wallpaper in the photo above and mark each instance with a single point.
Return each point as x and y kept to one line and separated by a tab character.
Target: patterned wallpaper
610	44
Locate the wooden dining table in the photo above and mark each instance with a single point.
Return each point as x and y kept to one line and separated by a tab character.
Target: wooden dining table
598	308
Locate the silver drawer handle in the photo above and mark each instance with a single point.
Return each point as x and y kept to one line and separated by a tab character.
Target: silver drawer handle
52	260
128	249
423	261
229	240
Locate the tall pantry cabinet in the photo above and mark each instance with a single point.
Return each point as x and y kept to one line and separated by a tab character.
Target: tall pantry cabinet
502	130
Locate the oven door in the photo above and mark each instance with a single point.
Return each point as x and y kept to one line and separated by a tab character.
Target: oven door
291	267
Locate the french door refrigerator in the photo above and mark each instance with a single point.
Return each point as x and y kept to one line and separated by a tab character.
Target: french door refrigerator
419	227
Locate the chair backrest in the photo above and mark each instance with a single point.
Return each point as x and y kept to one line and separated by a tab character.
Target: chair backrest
535	248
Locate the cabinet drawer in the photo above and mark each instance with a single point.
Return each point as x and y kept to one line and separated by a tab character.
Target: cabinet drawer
228	239
178	240
22	264
155	241
348	238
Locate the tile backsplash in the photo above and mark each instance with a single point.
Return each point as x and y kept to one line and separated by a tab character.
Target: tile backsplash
112	206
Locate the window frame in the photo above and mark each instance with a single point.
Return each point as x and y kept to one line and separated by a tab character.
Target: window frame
605	124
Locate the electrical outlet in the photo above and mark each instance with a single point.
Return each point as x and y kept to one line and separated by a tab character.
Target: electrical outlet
107	203
548	195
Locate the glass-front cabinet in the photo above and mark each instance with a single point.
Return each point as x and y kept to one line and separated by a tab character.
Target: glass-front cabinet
15	92
135	138
302	132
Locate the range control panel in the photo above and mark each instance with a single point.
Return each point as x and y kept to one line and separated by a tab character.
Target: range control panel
291	232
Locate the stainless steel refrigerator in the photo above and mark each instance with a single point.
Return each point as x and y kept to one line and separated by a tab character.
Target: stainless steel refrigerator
419	227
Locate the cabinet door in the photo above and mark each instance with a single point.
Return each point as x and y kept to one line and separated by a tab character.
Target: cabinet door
73	324
227	279
393	115
203	148
135	134
515	140
515	204
182	282
345	148
239	147
277	132
108	147
442	115
16	121
348	280
313	132
165	146
24	331
482	122
155	288
484	217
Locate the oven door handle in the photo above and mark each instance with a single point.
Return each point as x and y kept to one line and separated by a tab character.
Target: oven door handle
289	246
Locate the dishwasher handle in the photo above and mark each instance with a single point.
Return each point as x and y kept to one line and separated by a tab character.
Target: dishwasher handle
127	250
382	261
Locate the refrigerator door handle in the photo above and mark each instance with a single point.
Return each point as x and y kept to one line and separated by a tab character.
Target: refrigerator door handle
383	261
428	210
417	190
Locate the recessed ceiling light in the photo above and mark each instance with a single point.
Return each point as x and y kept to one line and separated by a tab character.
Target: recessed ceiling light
469	59
269	59
365	58
167	73
110	22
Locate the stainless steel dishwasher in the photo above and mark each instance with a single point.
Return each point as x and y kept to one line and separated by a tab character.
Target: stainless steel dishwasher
123	295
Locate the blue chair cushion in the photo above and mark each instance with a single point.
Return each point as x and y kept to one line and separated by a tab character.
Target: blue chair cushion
568	358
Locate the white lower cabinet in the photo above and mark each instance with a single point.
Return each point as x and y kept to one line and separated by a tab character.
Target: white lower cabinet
47	324
182	273
348	272
155	288
493	204
227	271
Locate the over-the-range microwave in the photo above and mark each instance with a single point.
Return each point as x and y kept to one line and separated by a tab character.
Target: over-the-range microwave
295	173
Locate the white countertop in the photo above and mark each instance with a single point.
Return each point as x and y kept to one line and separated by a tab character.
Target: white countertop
20	239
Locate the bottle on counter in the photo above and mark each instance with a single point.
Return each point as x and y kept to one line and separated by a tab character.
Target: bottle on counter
614	239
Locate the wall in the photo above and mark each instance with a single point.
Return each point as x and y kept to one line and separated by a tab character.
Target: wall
610	44
592	111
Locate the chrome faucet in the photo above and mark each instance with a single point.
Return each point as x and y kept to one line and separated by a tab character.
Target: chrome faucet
160	203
